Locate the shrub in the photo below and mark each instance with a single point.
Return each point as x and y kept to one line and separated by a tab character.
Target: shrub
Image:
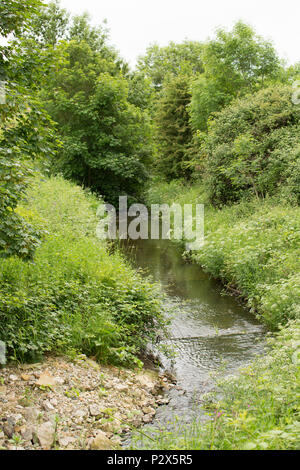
252	147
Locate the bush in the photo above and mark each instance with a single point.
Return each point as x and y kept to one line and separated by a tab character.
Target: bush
252	147
75	294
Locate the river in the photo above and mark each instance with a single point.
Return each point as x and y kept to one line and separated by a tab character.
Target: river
210	331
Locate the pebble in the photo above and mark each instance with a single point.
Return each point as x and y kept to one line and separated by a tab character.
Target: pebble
101	442
31	414
13	377
95	410
47	405
46	434
25	377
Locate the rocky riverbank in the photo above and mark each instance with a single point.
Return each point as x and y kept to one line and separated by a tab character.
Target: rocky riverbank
75	404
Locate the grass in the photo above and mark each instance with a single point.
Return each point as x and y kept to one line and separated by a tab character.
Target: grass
75	296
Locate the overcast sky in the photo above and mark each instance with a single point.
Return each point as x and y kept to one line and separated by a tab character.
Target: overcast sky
134	24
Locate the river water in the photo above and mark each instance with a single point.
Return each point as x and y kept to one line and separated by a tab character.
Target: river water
210	332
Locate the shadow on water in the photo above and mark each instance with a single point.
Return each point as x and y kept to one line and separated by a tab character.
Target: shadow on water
209	330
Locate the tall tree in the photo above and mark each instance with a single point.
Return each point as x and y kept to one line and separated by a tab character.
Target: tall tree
174	132
49	24
105	137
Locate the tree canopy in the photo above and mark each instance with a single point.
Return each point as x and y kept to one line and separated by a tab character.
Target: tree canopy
235	63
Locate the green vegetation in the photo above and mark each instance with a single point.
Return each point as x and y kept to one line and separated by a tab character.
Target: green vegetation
235	63
252	148
105	137
173	128
243	165
175	59
26	136
75	295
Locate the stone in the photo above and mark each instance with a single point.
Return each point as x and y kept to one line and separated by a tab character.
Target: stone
18	417
60	380
27	433
101	442
31	414
11	396
25	377
46	380
80	413
47	405
15	448
146	382
121	388
111	427
37	365
148	410
147	418
95	410
66	440
46	434
163	401
9	427
13	377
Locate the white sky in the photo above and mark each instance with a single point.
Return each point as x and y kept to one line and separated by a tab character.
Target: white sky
134	24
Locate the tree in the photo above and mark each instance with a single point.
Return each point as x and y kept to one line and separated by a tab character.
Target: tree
105	137
174	59
14	15
174	132
168	70
48	25
235	63
26	135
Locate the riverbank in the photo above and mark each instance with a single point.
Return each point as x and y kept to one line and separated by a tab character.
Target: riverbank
253	247
76	295
65	403
256	409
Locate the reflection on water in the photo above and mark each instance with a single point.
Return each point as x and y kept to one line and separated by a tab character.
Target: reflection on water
209	330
